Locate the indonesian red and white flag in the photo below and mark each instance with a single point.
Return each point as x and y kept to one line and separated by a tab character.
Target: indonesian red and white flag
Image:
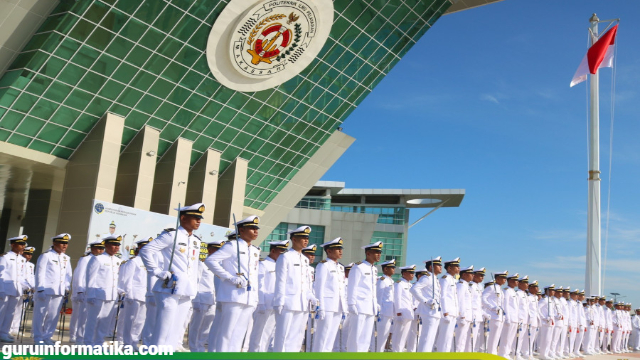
598	56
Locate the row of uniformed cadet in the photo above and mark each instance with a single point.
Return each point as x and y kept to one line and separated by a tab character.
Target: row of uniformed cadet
234	301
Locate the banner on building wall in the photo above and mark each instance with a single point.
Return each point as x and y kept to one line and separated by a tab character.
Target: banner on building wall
133	224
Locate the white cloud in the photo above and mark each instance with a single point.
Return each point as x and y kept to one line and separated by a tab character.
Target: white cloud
490	98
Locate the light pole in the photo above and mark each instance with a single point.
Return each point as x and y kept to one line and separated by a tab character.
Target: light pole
615	296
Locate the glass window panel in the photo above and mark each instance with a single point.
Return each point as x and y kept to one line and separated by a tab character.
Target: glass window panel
199	123
19	140
114	20
149	10
119	47
183	117
170	133
85	123
223	94
195	102
179	95
157	64
133	30
211	109
148	104
44	109
11	119
41	146
72	139
130	96
82	30
138	56
174	72
98	106
185	28
166	111
52	133
136	119
214	129
202	143
25	102
191	80
92	82
208	87
30	126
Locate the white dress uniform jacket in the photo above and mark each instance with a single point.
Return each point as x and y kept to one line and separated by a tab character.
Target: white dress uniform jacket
465	301
384	293
133	277
224	264
267	280
511	306
206	290
362	288
427	292
102	277
292	282
13	274
523	307
492	301
450	304
53	273
329	286
185	260
80	277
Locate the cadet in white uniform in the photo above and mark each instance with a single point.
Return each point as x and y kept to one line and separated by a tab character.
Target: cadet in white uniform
237	293
559	324
530	334
329	288
361	299
523	316
572	305
403	303
548	314
78	297
312	315
215	325
475	343
343	331
204	304
511	317
264	321
450	308
102	291
635	334
384	294
493	303
14	284
465	313
133	281
427	291
31	281
178	284
582	324
416	323
53	279
292	295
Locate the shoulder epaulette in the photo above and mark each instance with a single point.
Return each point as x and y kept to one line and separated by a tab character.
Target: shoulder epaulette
444	276
124	261
197	237
262	259
381	278
257	247
397	281
323	261
359	262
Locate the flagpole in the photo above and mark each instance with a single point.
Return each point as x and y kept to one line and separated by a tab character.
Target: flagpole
594	267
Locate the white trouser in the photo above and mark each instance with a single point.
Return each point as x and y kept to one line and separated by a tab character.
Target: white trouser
616	344
200	325
401	329
495	330
46	312
507	337
247	335
360	330
133	316
579	339
343	335
326	330
415	329
74	324
479	338
555	339
472	340
232	328
213	331
546	335
445	334
17	316
99	314
384	328
462	334
289	327
635	338
264	326
521	337
528	336
150	319
428	332
571	341
7	311
172	311
562	340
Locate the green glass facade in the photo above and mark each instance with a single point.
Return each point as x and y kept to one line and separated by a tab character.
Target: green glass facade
145	60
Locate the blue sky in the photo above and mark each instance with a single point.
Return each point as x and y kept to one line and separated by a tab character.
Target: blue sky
482	102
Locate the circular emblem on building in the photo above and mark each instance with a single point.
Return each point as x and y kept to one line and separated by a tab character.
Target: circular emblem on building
99	208
270	42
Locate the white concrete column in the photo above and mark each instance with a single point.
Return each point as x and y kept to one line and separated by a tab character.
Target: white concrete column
91	174
171	176
230	194
136	170
203	183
